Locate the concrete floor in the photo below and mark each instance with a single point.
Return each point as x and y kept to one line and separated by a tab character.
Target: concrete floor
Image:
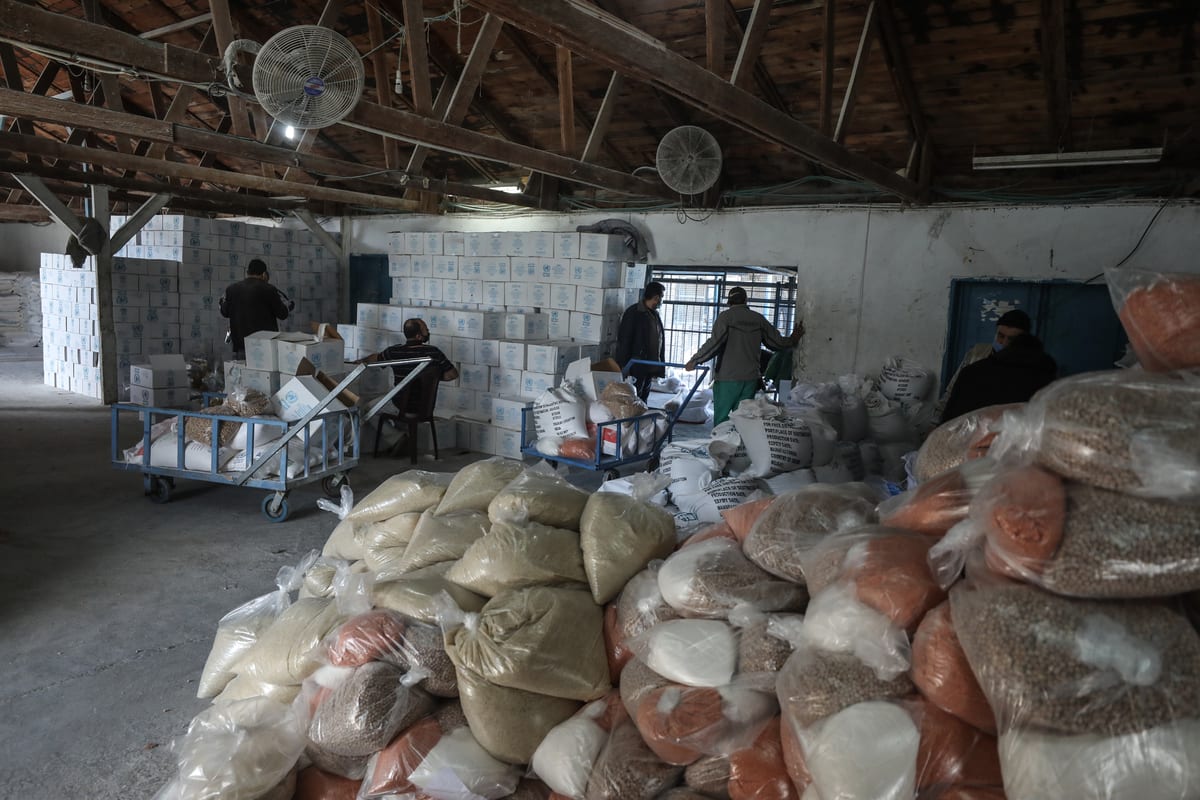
108	602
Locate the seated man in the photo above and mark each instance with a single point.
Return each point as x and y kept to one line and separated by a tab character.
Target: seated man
1010	375
416	345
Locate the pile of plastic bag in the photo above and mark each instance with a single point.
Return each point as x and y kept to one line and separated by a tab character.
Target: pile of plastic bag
616	424
234	445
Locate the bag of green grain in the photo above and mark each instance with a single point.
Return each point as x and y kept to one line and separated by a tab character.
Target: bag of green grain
416	593
1103	695
798	521
438	758
1127	431
510	723
627	769
235	751
437	539
368	709
540	639
284	653
473	487
764	643
1083	541
710	579
516	556
539	494
619	536
415	490
384	542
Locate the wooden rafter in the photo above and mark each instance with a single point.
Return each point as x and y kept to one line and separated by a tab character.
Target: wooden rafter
594	35
714	35
828	41
383	83
217	177
752	41
1054	71
111	83
856	74
566	100
176	27
762	78
897	62
607	108
13	213
418	59
223	29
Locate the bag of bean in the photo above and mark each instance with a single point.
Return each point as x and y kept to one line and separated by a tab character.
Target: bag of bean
439	758
764	643
415	490
941	671
1069	667
681	723
712	578
539	494
798	521
1083	541
637	681
415	594
962	439
741	518
510	723
387	636
368	709
1161	313
693	652
884	568
707	777
516	556
1128	431
937	505
641	605
627	768
540	639
473	487
565	758
619	536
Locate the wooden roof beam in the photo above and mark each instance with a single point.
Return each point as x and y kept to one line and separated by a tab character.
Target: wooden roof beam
223	26
603	39
752	42
383	84
102	158
897	63
714	35
828	41
175	27
418	58
856	74
566	100
1053	37
603	119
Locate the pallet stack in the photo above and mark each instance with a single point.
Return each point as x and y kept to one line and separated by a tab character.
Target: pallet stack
511	310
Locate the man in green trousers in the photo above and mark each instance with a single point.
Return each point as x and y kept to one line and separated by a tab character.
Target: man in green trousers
738	335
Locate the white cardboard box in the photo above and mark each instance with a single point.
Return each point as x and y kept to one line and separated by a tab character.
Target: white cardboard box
507	443
487	352
300	395
399	266
526	326
433	244
538	295
453	243
636	276
506	412
163	372
525	268
445	267
597	274
265	382
558	324
603	247
557	356
483	437
462	350
594	328
566	245
452	291
562	296
534	383
599	301
555	270
512	355
368	315
506	382
592	383
457	402
475	377
260	351
421	266
292	348
171	397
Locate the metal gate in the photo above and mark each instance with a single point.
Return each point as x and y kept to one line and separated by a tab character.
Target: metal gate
694	298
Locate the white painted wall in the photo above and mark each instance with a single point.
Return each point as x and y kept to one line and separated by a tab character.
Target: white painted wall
875	282
21	244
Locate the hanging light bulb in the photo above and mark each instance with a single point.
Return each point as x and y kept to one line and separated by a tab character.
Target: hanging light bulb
289	132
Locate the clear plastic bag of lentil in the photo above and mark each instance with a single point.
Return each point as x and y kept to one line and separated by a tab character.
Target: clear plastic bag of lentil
959	440
938	504
1128	431
1161	313
1093	699
1083	541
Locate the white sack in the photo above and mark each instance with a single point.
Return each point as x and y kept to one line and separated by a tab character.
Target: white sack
560	413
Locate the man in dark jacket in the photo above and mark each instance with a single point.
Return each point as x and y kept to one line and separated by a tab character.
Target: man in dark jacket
252	305
1010	375
641	336
738	335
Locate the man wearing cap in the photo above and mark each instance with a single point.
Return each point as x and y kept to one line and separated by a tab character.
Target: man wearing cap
641	337
737	338
1010	325
252	305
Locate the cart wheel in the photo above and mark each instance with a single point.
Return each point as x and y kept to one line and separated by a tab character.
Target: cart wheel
275	507
332	485
158	489
612	475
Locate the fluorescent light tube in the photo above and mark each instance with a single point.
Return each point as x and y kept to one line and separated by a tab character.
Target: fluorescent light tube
1083	158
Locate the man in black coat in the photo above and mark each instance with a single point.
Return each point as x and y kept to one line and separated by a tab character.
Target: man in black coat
1011	375
252	305
641	336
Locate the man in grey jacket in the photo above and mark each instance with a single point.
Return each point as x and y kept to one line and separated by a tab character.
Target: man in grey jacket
737	339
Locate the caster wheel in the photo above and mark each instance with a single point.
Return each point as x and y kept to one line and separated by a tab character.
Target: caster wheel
332	485
611	475
275	508
158	489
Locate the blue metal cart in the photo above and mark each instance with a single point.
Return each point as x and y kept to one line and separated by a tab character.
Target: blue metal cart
336	436
612	434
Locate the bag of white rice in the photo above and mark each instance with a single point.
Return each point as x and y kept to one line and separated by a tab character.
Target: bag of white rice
415	490
474	486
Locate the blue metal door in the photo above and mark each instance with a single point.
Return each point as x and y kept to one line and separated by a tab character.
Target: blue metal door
369	280
1075	321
